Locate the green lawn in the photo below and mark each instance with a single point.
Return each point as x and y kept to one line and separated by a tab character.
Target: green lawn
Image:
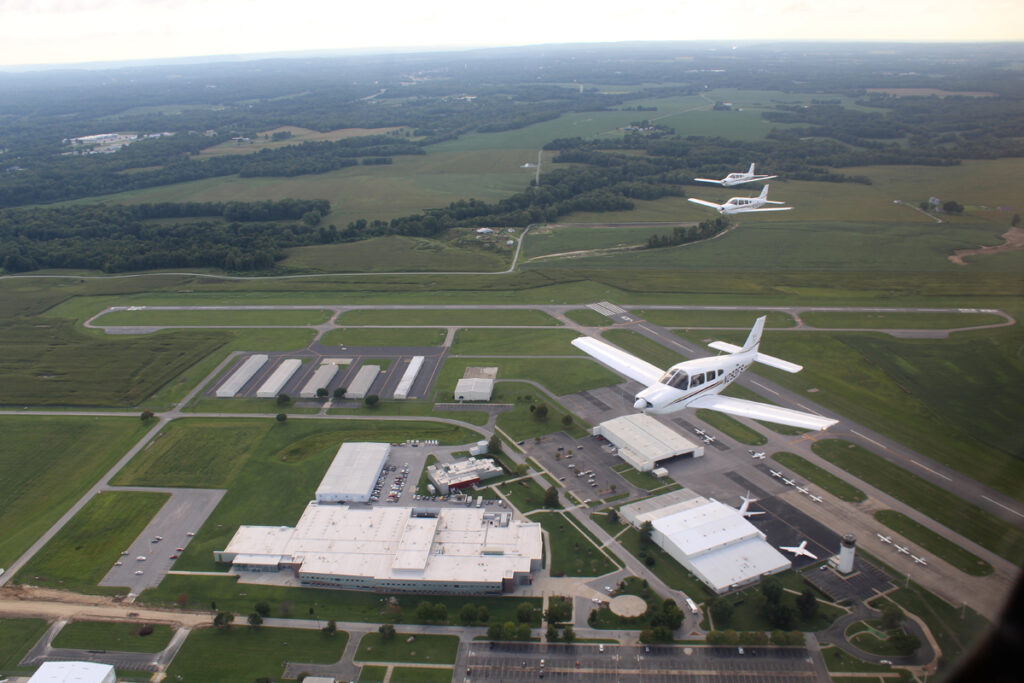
942	506
401	253
602	520
17	636
447	317
934	543
48	463
242	654
424	649
214	318
641	346
515	342
525	494
706	318
747	614
391	336
837	660
816	475
86	548
898	320
644	480
573	554
372	674
112	635
734	428
520	423
587	317
408	674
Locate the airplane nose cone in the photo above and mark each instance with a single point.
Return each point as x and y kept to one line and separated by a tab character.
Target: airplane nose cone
641	404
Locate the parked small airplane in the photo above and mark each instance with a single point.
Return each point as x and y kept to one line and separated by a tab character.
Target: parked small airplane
884	539
788	482
901	549
737	178
775	474
699	431
744	509
743	204
919	560
803	490
799	550
697	383
816	499
759	455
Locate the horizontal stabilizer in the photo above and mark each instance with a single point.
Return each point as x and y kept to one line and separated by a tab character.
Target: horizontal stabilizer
762	411
725	346
760	357
620	361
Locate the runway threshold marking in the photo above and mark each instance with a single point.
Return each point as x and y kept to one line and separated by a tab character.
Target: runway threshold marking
1003	506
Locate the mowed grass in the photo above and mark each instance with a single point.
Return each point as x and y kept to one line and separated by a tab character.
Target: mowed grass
934	543
392	336
515	342
299	135
588	317
423	648
522	423
213	318
525	494
945	508
112	635
401	254
706	318
734	428
642	347
572	553
820	477
86	548
898	320
452	317
17	636
568	239
409	674
48	463
560	376
241	654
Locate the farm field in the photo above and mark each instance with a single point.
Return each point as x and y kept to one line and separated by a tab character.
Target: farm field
221	318
86	548
512	342
121	636
48	463
392	336
298	136
446	317
398	254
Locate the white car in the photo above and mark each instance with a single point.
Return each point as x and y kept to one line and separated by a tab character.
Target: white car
141	558
138	571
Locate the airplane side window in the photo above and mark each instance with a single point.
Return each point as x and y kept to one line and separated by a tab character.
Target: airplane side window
720	373
697	380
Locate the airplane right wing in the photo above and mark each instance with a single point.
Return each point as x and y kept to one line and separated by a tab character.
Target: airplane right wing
708	180
781	208
620	361
762	411
704	203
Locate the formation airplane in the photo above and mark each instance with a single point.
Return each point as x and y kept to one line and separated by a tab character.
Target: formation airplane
799	550
902	549
697	383
777	475
884	539
744	509
757	456
816	499
803	490
737	178
788	482
743	204
919	560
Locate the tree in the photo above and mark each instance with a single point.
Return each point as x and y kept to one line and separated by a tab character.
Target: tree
339	393
262	608
646	529
441	613
524	613
147	415
523	632
331	628
321	392
568	634
494	444
1015	221
613	515
779	637
780	616
371	400
807	604
223	619
283	399
551	497
281	417
494	631
508	630
483	615
255	620
566	420
469	614
952	207
721	612
892	616
540	413
387	632
551	634
771	589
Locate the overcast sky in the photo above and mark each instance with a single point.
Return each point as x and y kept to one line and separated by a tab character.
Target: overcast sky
69	31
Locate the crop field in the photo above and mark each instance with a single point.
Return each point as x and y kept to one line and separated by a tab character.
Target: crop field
573	554
242	655
512	342
220	318
446	317
934	543
120	636
299	136
48	463
400	254
669	318
86	548
17	636
392	336
898	321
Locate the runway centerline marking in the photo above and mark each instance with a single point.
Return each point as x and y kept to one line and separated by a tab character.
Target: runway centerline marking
764	387
868	439
939	474
1003	506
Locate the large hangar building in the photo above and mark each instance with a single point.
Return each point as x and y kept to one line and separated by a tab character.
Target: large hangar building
644	442
394	549
353	473
711	539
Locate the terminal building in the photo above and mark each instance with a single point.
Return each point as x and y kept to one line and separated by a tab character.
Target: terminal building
712	540
394	549
644	442
462	473
353	473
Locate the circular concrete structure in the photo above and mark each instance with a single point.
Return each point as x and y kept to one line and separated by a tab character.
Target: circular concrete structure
628	606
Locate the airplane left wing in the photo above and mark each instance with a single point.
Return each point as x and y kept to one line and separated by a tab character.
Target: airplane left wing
708	180
704	203
762	411
781	208
620	361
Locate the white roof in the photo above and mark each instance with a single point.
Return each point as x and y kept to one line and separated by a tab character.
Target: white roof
364	379
474	388
704	527
272	387
408	377
739	563
320	379
647	439
73	672
354	470
243	374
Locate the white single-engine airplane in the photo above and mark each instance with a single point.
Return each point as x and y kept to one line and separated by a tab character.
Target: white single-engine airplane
759	455
737	178
919	560
816	499
799	550
902	549
777	475
884	539
743	204
744	509
697	383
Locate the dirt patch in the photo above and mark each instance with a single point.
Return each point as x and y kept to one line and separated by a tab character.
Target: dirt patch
480	373
1014	240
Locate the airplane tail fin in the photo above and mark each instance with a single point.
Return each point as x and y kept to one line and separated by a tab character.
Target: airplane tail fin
764	192
751	171
754	338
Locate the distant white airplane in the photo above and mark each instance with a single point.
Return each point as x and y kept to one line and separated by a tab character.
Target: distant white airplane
699	431
799	550
777	475
747	500
697	383
743	204
901	549
884	539
816	499
919	560
737	178
803	490
759	455
788	482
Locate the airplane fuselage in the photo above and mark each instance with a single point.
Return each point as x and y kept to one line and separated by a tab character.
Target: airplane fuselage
685	381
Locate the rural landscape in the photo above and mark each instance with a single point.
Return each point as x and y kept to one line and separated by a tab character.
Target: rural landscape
414	221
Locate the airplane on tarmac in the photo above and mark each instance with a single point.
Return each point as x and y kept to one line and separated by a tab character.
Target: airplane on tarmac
799	550
759	455
884	539
788	482
816	499
744	509
737	178
803	490
902	549
743	204
699	431
919	560
697	383
775	474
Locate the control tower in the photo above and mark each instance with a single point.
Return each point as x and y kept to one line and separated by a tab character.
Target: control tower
847	548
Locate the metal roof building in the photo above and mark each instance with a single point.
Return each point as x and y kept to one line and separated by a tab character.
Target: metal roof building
353	473
363	381
408	377
275	383
73	672
394	549
474	389
233	384
320	380
644	442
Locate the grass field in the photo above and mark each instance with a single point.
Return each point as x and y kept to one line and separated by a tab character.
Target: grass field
898	321
533	342
520	422
298	136
644	480
960	516
409	674
744	319
563	239
242	654
641	346
734	428
481	317
402	254
17	636
572	553
219	318
112	635
934	543
372	674
747	612
525	494
587	317
86	548
820	477
48	463
573	375
392	336
424	649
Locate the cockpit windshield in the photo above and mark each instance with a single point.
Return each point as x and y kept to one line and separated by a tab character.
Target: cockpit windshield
677	379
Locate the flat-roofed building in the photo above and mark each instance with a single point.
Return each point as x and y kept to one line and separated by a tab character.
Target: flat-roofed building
408	377
233	384
275	383
644	443
474	389
74	672
462	473
353	473
394	549
320	380
363	381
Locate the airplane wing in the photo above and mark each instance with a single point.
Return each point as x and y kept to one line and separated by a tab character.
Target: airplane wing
781	208
620	361
708	180
704	203
762	177
762	411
